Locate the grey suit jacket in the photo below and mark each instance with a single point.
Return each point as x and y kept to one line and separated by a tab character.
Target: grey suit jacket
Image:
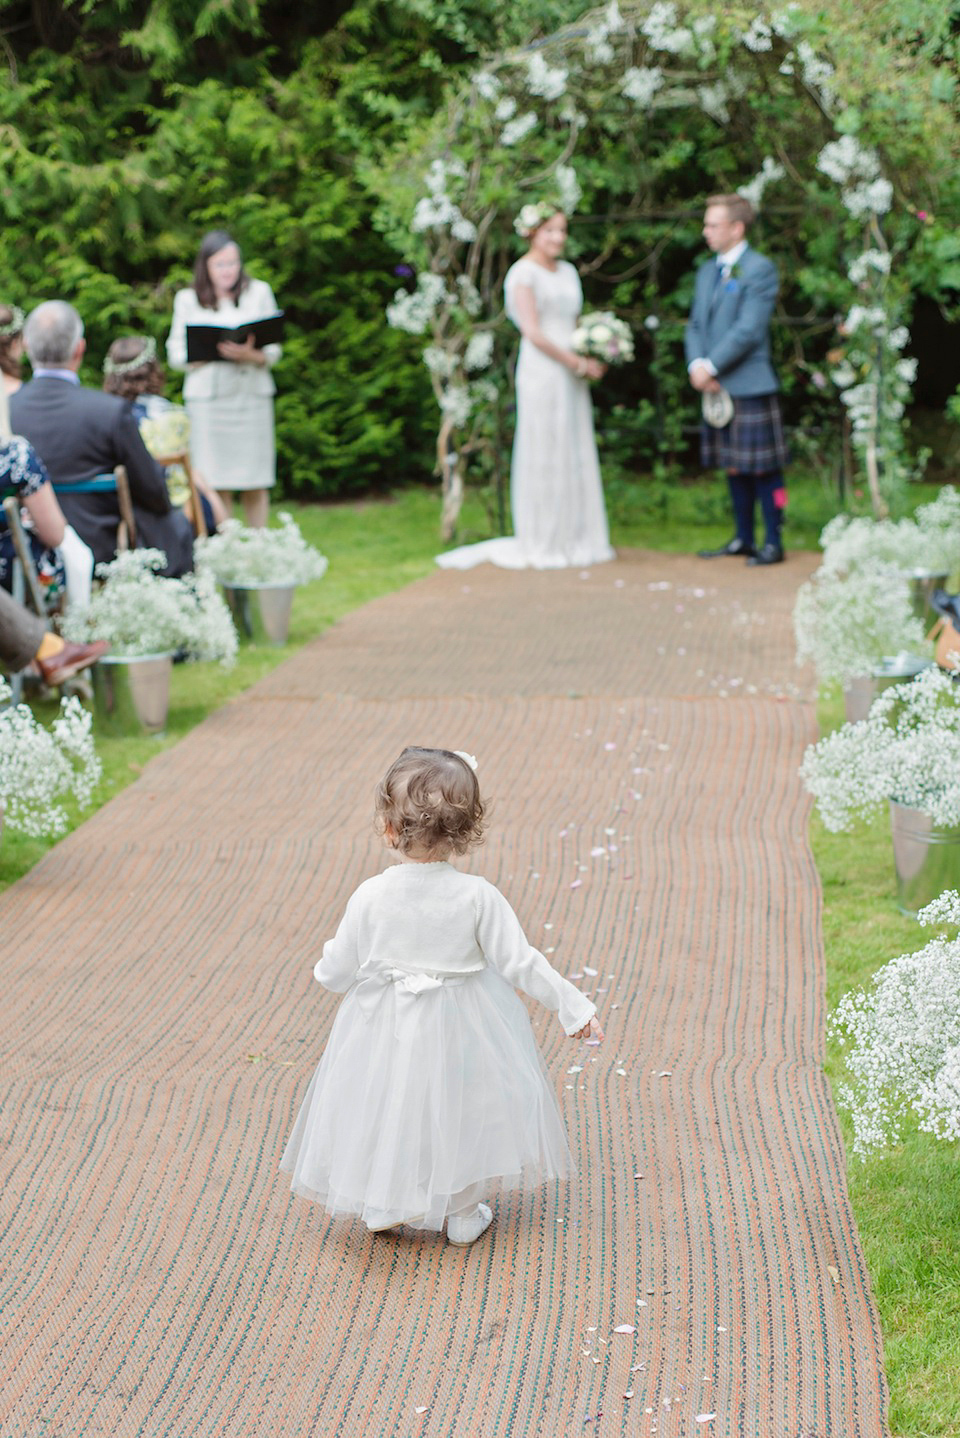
730	324
80	433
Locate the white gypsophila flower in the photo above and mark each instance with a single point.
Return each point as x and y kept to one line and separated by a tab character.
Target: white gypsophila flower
413	311
483	391
845	625
898	337
139	611
787	22
759	37
641	83
612	18
941	516
945	909
846	159
487	85
463	229
455	404
470	296
548	81
713	101
870	262
907	749
567	188
479	351
816	71
516	130
439	361
651	323
768	174
874	198
870	317
239	555
40	767
506	109
662	31
599	49
843	375
906	369
903	1040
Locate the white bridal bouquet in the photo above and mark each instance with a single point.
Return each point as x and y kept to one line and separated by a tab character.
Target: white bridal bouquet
39	767
603	337
904	1033
930	541
907	749
846	624
139	612
239	556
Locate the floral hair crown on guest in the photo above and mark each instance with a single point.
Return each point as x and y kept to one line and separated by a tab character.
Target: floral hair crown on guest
14	324
146	356
532	216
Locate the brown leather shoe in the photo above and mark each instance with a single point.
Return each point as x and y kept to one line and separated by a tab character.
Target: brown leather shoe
69	661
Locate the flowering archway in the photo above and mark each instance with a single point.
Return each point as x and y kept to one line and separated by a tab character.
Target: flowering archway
644	110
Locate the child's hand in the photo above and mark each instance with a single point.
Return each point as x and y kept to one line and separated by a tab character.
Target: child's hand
592	1030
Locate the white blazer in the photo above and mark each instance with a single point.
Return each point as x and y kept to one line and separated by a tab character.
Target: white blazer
222	379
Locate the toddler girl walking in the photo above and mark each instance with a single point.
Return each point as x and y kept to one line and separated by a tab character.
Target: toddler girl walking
431	1090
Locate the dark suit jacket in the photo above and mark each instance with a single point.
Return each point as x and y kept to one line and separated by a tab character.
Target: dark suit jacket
80	433
730	324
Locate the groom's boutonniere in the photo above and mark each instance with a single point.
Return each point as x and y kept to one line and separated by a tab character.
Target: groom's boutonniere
731	278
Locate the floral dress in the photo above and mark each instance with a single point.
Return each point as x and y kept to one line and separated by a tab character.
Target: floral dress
22	472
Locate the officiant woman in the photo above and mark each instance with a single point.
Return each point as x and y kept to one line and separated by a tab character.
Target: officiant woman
229	400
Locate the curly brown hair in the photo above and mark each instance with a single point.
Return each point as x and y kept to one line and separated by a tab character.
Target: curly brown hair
147	378
430	801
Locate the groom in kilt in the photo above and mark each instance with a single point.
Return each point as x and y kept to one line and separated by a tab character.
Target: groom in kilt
727	345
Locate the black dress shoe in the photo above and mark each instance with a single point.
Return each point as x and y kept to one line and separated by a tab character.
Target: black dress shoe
735	546
769	554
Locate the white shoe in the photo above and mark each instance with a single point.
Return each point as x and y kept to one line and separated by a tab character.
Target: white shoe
464	1231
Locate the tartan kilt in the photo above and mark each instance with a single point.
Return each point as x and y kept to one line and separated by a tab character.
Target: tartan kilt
752	443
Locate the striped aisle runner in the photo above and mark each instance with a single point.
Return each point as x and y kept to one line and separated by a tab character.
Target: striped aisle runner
639	730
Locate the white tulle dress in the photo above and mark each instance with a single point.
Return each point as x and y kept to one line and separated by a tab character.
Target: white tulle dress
431	1091
556	496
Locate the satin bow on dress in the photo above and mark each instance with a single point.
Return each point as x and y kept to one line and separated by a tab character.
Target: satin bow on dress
407	986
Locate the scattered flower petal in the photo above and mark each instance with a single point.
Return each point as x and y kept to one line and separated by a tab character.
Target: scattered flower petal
624	1328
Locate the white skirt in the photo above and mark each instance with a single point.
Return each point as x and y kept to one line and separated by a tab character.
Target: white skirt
232	440
423	1103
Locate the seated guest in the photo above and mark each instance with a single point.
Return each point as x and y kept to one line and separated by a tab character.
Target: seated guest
60	557
25	640
11	347
132	371
80	433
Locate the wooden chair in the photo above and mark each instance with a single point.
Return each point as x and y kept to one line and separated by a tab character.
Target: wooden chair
196	508
26	587
116	483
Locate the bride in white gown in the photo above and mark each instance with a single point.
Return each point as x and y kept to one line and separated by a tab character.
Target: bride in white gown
555	492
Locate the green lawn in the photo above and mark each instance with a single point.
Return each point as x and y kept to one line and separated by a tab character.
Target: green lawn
907	1203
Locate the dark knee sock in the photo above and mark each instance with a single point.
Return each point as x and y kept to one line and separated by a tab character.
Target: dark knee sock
742	497
772	494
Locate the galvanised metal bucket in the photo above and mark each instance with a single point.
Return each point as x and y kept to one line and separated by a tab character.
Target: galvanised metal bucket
131	693
892	669
922	584
926	858
261	612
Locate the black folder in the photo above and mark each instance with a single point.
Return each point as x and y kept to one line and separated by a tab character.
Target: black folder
202	340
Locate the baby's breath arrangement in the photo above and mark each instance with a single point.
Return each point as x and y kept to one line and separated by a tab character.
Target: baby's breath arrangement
929	541
907	749
241	556
846	624
904	1034
139	612
39	767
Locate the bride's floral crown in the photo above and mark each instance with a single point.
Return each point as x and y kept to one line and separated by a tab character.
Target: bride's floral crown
532	216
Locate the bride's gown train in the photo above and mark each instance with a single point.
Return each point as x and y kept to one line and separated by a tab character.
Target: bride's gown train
556	496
